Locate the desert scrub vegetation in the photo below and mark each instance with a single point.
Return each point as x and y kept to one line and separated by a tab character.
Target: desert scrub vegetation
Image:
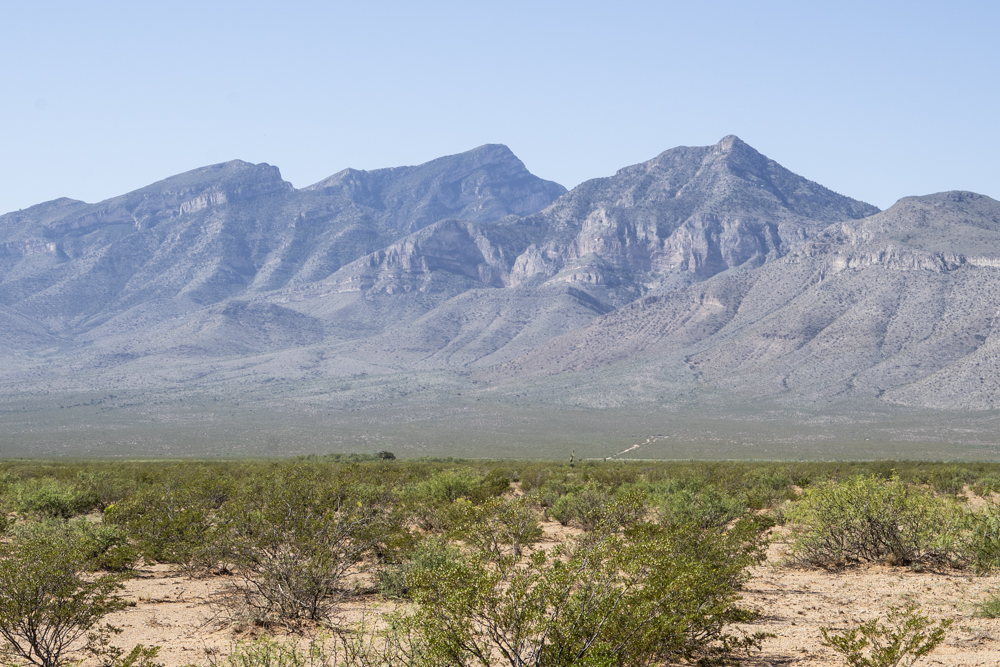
639	594
293	543
46	497
868	519
169	519
899	640
50	599
649	569
96	546
875	520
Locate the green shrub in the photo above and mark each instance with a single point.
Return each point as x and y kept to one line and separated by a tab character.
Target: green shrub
867	519
609	475
292	543
269	652
762	487
106	487
904	637
51	498
583	507
986	485
169	521
989	608
535	476
106	547
394	581
99	547
429	502
980	541
552	490
450	485
164	529
646	595
589	507
46	604
497	524
700	504
391	580
950	479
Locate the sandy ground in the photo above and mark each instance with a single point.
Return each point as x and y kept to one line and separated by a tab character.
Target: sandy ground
795	603
173	611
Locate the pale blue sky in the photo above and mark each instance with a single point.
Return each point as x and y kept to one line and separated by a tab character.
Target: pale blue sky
875	100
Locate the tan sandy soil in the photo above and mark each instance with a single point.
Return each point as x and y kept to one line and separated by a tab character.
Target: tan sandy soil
795	602
173	611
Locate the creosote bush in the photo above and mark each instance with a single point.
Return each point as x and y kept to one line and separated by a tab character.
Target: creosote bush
867	519
902	638
47	603
583	507
292	543
395	579
635	596
95	545
169	520
50	498
705	505
498	525
980	541
430	501
590	506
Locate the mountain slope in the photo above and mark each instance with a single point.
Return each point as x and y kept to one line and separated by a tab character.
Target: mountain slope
683	216
465	261
901	306
708	295
677	219
708	269
481	185
232	229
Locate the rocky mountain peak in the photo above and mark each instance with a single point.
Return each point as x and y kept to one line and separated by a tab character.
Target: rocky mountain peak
447	167
489	154
739	156
729	143
238	179
685	215
482	185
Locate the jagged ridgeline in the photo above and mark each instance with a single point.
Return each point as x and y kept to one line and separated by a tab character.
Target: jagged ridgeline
707	276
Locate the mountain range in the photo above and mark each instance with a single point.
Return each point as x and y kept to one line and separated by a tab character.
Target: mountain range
707	276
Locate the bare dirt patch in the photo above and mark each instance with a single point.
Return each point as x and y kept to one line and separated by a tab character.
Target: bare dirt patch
174	612
795	603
